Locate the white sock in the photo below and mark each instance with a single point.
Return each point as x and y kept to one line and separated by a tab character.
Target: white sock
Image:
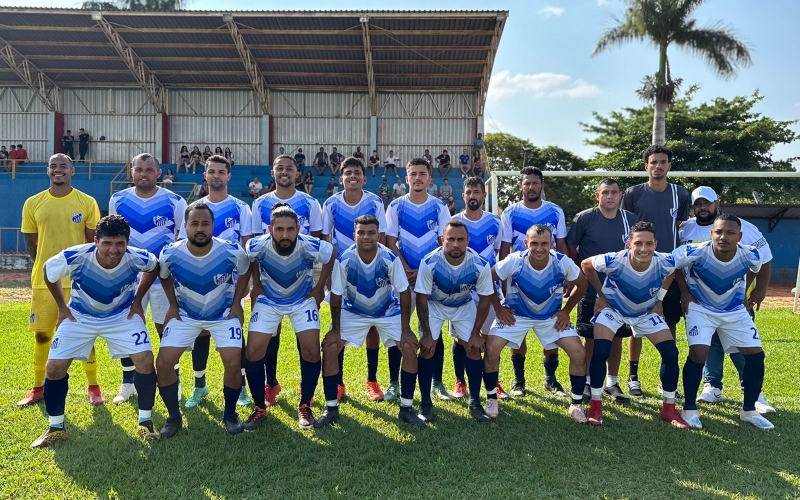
57	421
612	380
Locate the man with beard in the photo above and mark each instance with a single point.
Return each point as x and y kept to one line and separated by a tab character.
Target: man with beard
516	220
705	205
285	287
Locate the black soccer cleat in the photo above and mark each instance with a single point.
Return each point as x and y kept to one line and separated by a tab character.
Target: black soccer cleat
233	425
426	411
478	413
407	415
616	394
328	417
171	427
554	387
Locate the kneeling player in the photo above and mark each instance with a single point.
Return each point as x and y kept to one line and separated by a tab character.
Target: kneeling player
637	279
367	278
104	275
535	291
713	292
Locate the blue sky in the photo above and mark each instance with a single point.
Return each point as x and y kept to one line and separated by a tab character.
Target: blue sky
545	80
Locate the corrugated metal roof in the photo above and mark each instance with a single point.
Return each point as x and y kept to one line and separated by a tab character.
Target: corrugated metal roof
753	211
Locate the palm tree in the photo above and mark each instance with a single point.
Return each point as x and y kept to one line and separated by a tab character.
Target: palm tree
665	22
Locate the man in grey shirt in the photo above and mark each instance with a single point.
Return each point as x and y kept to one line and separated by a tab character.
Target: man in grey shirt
666	205
596	231
446	192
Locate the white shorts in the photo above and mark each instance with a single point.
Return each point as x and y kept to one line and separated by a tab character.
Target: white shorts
266	319
543	328
642	326
736	328
124	337
159	305
225	332
354	328
462	319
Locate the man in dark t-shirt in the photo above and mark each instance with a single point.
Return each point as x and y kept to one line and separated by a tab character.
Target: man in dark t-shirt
336	160
444	163
300	159
83	144
320	161
358	154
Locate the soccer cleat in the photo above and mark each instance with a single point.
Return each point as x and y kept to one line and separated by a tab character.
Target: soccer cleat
755	418
124	394
587	393
407	415
479	414
438	389
492	407
502	394
96	396
328	417
233	425
692	419
426	411
305	417
341	391
392	393
576	413
460	390
255	419
615	393
244	398
50	437
34	396
554	387
595	412
271	394
374	391
710	395
672	416
311	401
171	427
634	388
518	389
197	395
148	431
762	406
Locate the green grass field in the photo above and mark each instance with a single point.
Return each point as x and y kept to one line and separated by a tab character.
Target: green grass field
533	450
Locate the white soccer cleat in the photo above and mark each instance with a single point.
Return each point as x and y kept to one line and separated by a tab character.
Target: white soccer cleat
124	394
692	418
762	406
492	408
710	395
755	418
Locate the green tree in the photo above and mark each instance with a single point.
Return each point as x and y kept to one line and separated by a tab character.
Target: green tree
719	135
135	5
665	22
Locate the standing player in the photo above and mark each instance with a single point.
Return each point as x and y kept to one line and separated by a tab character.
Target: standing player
204	279
104	277
535	290
516	220
597	231
636	282
414	223
447	276
705	206
666	205
53	220
367	279
285	287
339	214
714	294
155	215
233	223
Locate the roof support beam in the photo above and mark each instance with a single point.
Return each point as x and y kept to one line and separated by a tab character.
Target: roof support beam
250	65
43	87
487	70
373	92
247	31
146	78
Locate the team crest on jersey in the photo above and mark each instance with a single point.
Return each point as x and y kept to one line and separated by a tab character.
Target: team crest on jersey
302	221
673	212
490	239
654	291
127	287
254	317
466	288
737	282
77	218
693	332
230	222
54	344
381	282
433	225
160	220
222	278
554	289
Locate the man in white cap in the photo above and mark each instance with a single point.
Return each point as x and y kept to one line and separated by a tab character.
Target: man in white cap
705	206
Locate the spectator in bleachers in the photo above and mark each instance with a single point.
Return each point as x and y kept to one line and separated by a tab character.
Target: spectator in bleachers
477	167
383	191
21	154
309	182
12	155
281	151
195	159
320	161
444	163
391	161
207	154
427	157
4	158
203	190
399	189
83	144
300	159
184	160
229	155
168	178
333	188
336	161
451	206
254	188
466	169
298	181
477	143
69	145
272	186
358	154
374	161
218	151
446	192
432	188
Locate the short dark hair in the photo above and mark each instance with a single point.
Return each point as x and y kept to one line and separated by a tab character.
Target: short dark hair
539	229
112	226
363	220
420	161
471	182
654	150
608	181
219	159
282	210
198	205
641	227
284	157
352	161
456	223
145	157
724	216
532	171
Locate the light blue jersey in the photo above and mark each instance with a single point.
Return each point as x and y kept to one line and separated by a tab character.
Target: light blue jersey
452	285
96	291
630	292
517	219
338	218
369	289
309	213
287	279
536	294
204	286
416	227
232	219
154	221
718	286
484	234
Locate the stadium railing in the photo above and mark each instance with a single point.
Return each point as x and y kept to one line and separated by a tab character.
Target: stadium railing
90	167
17	235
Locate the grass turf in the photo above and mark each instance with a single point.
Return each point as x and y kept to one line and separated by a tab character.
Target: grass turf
533	450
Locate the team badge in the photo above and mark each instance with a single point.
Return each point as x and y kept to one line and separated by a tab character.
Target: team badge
254	317
490	239
693	332
32	319
222	278
381	282
230	222
160	221
77	218
654	291
433	225
54	344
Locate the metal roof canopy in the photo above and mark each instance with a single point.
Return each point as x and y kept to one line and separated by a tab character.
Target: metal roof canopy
368	51
773	213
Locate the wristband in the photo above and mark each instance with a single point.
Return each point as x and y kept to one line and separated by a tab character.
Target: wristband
661	294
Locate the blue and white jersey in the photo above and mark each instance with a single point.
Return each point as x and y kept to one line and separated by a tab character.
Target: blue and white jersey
452	285
204	286
369	289
718	286
532	293
154	221
232	219
96	291
309	213
484	234
630	292
338	218
416	227
287	279
517	219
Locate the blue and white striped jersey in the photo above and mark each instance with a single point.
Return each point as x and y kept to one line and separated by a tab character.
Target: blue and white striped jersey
416	227
369	289
338	218
452	285
154	221
484	234
517	219
630	292
309	213
232	219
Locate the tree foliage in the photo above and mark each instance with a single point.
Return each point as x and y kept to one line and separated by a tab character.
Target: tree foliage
149	5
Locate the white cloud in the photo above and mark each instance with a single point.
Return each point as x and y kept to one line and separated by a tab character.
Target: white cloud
551	11
503	85
601	3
